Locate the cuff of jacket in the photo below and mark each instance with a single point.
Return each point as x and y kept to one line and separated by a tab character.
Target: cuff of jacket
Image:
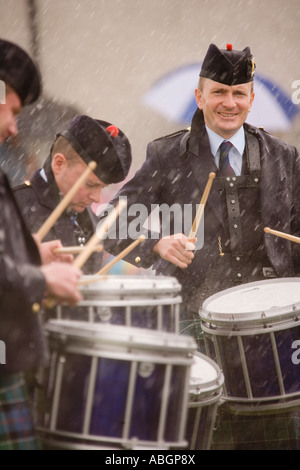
143	255
36	287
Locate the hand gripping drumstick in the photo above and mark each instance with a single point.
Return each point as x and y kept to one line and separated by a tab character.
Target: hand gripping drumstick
171	267
291	238
200	210
99	235
48	224
89	247
109	265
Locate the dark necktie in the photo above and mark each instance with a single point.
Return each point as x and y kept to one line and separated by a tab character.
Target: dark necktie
224	165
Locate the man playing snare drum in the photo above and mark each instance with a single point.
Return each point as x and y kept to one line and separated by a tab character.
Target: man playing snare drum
25	278
256	186
84	140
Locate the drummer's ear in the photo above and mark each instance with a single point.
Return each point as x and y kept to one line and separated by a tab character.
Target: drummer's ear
58	164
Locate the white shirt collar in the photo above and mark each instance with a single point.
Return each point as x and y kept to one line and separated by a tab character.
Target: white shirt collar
237	140
43	175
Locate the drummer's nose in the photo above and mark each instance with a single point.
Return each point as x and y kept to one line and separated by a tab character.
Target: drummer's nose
95	194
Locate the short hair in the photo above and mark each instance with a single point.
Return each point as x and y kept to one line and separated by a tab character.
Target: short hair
5	90
62	145
9	89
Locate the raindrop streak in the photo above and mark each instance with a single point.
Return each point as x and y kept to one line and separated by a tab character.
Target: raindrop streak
2	353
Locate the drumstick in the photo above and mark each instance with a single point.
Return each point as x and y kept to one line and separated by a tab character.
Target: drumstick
292	238
115	260
121	255
93	241
99	235
170	268
73	250
48	224
200	210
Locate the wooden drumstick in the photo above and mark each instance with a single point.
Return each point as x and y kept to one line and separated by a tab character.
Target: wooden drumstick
121	255
99	234
109	265
64	203
74	250
291	238
93	241
200	210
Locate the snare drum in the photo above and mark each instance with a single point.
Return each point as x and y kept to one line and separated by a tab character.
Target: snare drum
249	331
112	386
206	382
140	301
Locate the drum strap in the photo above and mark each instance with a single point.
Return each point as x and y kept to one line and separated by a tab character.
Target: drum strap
235	266
231	186
253	155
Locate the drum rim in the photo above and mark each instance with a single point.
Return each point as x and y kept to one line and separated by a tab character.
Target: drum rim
213	385
251	317
100	334
130	283
129	302
52	436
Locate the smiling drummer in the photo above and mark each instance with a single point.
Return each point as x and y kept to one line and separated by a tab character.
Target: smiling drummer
256	186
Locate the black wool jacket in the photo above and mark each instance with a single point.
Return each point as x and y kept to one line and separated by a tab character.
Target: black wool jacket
176	171
22	287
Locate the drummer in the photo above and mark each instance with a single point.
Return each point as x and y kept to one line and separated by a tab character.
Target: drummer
85	139
24	282
256	186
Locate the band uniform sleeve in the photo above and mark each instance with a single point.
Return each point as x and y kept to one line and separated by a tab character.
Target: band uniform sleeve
141	191
22	284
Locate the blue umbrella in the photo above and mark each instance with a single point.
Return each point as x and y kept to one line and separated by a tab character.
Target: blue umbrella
173	97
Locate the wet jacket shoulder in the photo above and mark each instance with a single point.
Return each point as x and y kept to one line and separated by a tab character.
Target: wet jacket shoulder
271	143
171	141
151	184
35	201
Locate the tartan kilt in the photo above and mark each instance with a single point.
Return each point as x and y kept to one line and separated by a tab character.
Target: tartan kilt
16	415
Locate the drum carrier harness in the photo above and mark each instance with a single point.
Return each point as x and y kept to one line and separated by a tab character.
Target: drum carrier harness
242	257
239	212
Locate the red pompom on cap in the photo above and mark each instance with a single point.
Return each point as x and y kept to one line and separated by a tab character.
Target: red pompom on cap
229	47
113	130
